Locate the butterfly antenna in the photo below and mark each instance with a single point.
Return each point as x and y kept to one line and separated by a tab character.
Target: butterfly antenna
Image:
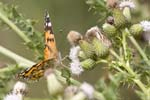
48	24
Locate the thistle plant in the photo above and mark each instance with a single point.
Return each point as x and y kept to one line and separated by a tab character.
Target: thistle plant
113	43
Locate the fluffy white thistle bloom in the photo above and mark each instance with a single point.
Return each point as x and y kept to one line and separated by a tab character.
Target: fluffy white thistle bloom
87	89
145	25
20	88
70	91
12	96
75	67
74	51
127	3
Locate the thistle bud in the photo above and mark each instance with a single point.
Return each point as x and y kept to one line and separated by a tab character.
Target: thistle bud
86	48
136	29
74	37
100	48
119	18
87	64
54	85
109	29
127	13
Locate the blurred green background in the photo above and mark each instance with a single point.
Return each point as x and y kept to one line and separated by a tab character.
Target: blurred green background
65	15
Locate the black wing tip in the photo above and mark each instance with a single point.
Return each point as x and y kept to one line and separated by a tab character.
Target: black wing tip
47	23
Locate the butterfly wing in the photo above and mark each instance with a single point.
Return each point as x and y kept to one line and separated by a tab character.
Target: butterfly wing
50	50
36	71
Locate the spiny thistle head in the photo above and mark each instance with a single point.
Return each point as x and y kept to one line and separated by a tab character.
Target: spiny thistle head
86	47
119	18
100	48
136	29
109	29
87	64
74	37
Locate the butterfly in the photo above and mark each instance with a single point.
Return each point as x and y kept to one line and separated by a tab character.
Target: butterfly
50	54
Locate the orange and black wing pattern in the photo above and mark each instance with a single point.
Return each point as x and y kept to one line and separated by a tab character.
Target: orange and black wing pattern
50	54
50	50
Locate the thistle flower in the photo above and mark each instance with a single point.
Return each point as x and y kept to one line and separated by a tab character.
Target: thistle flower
126	3
70	91
87	89
75	67
12	97
74	37
126	6
74	51
19	90
54	85
146	25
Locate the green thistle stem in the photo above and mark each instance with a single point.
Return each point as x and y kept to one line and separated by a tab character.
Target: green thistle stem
142	86
20	60
132	39
14	27
23	61
114	54
124	43
131	72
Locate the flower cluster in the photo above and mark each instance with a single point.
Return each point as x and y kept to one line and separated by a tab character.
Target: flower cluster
18	92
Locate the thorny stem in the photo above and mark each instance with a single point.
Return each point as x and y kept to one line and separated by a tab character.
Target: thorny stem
14	27
128	67
141	85
140	50
26	63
